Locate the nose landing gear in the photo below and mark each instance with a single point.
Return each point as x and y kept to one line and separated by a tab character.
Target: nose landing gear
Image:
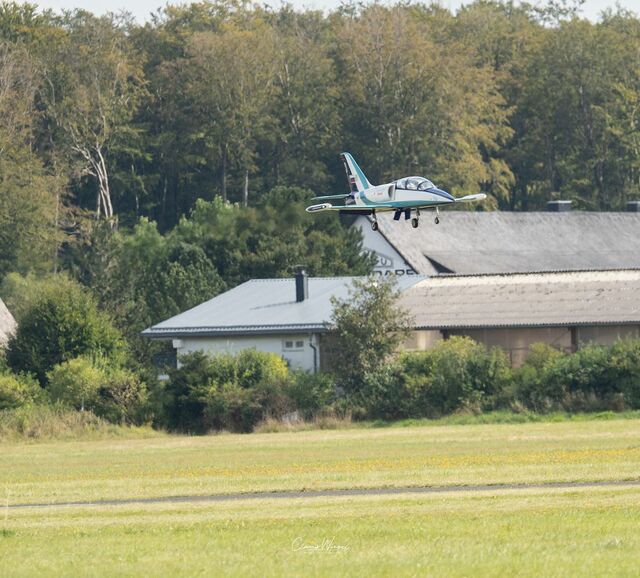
374	224
437	219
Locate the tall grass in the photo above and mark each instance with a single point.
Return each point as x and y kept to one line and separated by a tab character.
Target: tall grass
271	425
42	422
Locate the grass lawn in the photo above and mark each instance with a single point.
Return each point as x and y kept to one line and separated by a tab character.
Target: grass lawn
172	465
532	532
583	532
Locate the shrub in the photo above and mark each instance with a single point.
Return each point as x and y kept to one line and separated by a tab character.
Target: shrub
388	394
591	379
61	324
233	408
16	391
123	398
311	393
457	373
260	369
76	383
112	393
225	391
624	357
532	386
587	371
184	397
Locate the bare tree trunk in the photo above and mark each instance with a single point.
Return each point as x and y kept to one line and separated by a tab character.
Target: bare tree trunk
224	174
55	225
104	192
245	189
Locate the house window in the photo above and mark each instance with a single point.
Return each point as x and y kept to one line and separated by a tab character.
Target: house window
293	344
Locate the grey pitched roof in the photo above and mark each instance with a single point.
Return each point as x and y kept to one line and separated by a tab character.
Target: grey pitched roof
7	324
262	306
502	242
525	300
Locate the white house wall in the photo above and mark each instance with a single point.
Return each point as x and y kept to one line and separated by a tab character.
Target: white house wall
389	260
297	357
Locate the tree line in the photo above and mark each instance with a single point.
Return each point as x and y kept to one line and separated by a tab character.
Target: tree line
159	164
106	118
67	356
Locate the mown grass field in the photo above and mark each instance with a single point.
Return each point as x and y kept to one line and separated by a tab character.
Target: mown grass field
532	532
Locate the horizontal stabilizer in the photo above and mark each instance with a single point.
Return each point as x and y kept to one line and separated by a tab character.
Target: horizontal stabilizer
349	209
469	198
328	197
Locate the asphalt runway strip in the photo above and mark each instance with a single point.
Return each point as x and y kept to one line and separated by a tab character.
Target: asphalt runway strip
329	493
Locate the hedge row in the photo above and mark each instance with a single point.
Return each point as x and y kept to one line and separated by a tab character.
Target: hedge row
237	392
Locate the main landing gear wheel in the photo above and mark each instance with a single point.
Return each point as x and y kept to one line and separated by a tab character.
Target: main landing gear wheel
374	223
437	220
414	222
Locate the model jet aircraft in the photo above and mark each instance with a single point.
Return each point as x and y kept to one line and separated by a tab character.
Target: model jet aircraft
402	196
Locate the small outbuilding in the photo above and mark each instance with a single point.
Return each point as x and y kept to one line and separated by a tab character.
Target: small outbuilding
288	317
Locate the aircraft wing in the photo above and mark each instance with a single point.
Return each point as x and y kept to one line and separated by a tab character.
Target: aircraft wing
353	209
470	198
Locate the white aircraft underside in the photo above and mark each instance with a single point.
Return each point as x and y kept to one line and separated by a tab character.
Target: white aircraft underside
402	196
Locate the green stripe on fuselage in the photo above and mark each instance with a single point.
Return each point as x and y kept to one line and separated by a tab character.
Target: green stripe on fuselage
399	204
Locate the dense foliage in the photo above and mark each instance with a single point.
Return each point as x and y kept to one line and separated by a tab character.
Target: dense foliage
225	391
457	375
63	323
147	168
105	117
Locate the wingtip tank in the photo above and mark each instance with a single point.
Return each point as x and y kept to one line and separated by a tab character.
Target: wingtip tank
318	208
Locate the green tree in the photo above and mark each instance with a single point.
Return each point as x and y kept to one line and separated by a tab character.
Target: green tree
18	390
93	87
230	80
28	193
305	105
63	323
417	104
573	133
368	326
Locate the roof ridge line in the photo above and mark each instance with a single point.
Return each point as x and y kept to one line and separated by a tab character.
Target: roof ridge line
538	272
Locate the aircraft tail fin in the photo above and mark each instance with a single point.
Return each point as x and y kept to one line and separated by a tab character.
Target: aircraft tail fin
357	181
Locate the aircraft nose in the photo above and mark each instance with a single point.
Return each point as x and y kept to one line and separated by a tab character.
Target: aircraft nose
441	193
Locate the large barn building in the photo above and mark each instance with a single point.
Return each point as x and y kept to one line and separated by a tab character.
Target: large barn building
469	243
513	311
503	278
291	317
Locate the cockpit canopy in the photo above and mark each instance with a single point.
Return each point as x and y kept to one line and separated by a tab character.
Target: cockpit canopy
414	184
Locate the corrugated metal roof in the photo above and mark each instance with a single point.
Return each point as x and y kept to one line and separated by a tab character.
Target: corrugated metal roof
262	306
525	300
7	324
504	242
